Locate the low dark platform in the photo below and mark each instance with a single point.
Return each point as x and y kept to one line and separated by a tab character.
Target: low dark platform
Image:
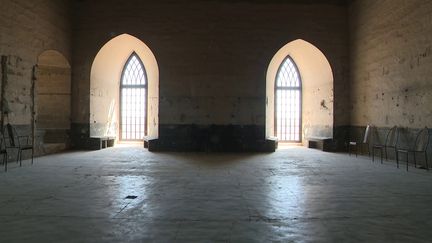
321	143
210	138
98	143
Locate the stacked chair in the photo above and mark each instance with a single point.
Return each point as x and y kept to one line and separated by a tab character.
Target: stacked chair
420	146
356	145
11	140
390	142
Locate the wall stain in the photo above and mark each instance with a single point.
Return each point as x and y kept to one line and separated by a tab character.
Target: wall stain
323	105
385	71
411	119
426	53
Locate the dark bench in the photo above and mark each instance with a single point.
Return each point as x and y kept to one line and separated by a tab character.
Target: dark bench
147	140
321	143
98	143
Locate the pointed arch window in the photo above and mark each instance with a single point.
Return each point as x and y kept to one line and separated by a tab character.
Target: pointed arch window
133	100
288	96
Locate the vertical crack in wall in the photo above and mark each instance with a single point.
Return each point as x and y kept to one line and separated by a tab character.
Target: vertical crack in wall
3	87
33	112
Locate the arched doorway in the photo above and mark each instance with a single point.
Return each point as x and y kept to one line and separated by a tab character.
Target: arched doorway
53	101
310	94
120	59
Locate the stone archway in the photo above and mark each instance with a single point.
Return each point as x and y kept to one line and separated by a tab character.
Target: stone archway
105	79
53	101
317	89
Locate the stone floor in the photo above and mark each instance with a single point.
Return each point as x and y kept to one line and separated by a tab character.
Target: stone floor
295	194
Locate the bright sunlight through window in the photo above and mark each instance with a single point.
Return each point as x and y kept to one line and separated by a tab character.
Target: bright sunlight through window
133	96
288	102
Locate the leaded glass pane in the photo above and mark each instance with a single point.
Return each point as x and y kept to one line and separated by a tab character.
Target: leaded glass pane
288	102
133	100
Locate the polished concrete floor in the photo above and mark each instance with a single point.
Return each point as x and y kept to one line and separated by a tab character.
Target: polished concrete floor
127	194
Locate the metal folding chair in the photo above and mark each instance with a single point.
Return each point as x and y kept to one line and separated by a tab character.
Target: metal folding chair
3	151
365	141
420	146
391	141
20	143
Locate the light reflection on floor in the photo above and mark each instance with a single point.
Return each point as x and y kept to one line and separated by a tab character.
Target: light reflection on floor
295	194
283	146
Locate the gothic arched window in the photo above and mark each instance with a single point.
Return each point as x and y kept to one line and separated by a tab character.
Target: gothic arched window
288	105
133	100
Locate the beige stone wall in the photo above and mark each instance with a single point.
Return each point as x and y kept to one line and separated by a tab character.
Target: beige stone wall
317	89
27	28
213	55
53	92
105	78
53	98
391	63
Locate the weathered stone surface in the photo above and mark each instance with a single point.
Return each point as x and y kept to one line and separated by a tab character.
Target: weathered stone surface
391	60
293	195
27	29
212	55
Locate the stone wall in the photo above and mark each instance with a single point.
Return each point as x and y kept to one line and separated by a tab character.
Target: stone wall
213	57
391	47
391	62
53	100
27	28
